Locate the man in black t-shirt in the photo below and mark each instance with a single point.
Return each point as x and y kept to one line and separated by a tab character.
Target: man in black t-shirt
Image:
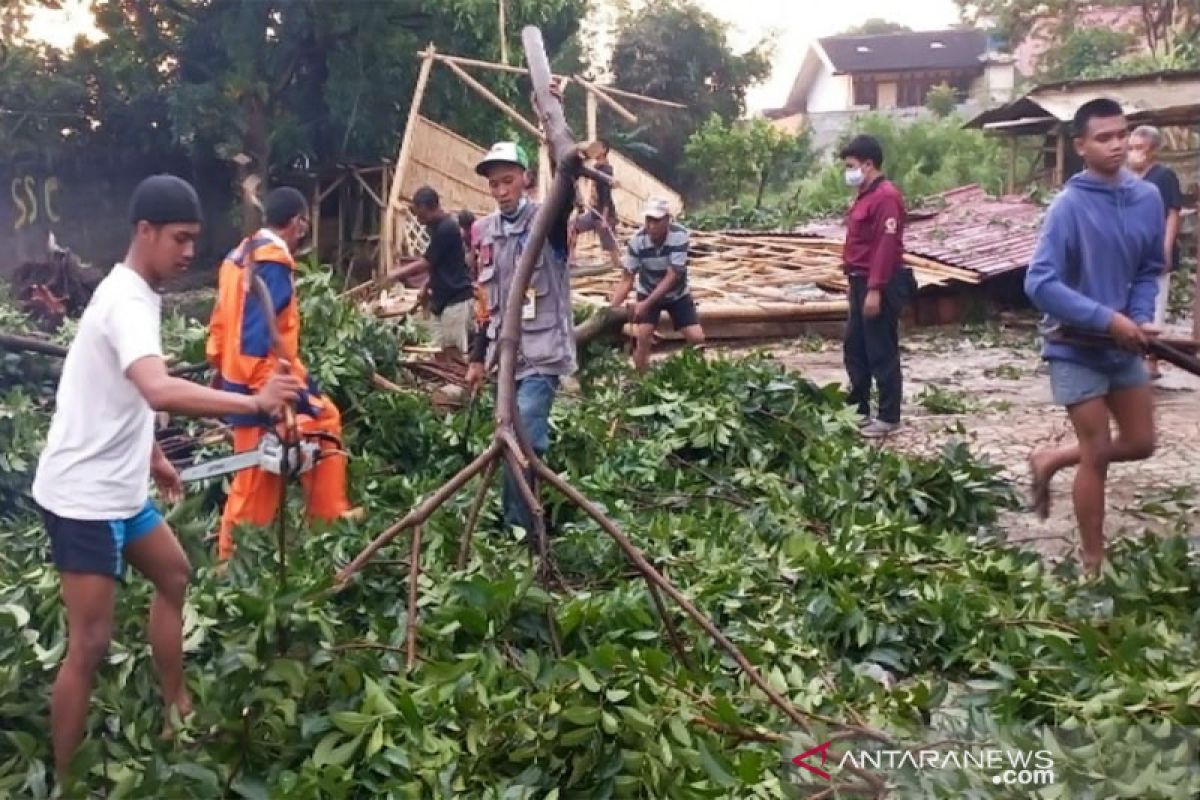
601	217
1144	145
449	289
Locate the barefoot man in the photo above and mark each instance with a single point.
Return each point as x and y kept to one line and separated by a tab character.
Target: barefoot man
92	481
1097	267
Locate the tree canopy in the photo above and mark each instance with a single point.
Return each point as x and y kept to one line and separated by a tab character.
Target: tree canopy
875	26
675	50
300	81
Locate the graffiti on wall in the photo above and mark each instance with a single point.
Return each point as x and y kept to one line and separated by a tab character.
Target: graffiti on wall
34	200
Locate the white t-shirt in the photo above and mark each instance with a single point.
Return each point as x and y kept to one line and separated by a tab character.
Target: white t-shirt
96	465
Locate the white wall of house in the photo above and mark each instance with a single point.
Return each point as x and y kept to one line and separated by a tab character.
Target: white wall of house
996	85
830	93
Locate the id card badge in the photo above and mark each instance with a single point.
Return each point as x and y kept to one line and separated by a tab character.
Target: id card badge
529	309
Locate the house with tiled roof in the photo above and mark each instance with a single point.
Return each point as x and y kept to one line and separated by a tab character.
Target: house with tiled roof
894	73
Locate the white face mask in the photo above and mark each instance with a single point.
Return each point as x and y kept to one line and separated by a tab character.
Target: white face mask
524	201
854	177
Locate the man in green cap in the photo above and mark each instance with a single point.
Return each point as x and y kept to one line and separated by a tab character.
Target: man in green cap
547	349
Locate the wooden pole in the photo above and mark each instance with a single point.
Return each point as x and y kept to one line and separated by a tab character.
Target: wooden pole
381	265
654	101
388	229
492	65
499	104
503	34
597	92
1060	157
593	132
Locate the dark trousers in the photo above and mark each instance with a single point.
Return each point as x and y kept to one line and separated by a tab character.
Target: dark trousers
871	348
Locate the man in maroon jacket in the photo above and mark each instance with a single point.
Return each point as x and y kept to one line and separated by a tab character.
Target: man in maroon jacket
880	286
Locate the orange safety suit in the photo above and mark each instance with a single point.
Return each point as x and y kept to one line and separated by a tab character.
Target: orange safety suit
239	347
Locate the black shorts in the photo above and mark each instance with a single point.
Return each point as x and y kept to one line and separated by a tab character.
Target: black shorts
97	547
683	312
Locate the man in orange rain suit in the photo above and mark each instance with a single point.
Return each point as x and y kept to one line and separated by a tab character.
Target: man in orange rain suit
240	348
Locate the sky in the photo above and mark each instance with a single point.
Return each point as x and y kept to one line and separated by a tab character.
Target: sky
795	23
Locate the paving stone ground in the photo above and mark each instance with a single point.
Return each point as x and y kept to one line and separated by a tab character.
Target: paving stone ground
993	389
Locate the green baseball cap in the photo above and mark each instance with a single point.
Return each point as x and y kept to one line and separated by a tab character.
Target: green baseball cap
503	153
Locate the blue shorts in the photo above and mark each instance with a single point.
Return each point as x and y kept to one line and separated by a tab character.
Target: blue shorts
1073	383
97	546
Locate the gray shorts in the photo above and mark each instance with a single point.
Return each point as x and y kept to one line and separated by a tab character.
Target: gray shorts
590	221
1072	383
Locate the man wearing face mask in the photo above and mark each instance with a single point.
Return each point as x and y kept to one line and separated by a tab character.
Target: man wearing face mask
1144	144
880	286
239	348
547	349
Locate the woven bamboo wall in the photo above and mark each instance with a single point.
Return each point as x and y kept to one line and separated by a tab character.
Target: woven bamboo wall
635	186
446	161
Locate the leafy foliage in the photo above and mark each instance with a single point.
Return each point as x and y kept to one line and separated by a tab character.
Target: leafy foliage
874	27
923	158
729	156
676	51
292	84
855	577
942	100
1084	52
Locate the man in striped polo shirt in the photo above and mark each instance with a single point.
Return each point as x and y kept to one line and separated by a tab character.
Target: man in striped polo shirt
657	258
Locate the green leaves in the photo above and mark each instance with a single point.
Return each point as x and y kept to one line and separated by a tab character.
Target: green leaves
852	577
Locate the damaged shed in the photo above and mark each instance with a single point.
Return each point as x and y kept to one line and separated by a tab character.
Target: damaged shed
988	240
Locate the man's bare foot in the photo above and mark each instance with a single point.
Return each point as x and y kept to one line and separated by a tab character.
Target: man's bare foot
180	710
1039	486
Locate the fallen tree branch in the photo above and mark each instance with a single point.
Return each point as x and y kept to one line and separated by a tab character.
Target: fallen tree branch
508	444
26	344
603	323
414	575
464	544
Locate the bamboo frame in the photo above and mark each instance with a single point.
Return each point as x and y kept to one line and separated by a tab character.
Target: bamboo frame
596	92
387	231
495	101
564	79
389	235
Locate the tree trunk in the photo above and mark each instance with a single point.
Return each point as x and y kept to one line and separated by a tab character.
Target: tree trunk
257	149
762	187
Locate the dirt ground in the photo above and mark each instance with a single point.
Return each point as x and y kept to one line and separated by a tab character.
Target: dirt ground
988	385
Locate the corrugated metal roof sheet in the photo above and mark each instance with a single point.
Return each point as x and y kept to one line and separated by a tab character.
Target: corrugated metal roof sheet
1161	95
970	230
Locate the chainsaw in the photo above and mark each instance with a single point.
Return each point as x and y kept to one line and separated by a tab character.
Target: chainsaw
271	455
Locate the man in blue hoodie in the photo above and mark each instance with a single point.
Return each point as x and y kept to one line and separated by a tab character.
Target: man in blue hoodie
1096	268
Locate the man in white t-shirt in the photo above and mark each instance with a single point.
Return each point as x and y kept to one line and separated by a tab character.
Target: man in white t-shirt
92	481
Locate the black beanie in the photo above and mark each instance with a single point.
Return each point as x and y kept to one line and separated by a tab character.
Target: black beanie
283	205
163	200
